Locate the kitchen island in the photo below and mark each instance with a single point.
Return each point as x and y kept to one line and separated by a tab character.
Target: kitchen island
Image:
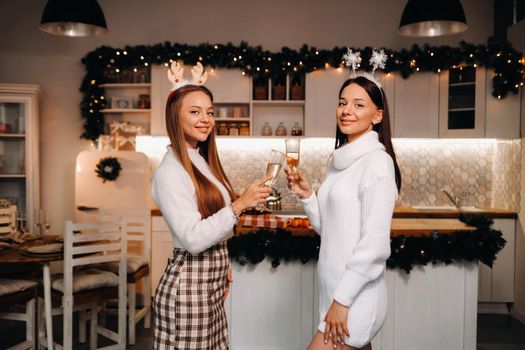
431	307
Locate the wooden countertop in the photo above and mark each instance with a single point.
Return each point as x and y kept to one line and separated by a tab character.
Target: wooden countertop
409	227
405	212
402	211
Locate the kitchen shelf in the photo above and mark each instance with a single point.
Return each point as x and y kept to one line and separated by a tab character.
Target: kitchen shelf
12	176
278	102
125	110
461	109
469	83
13	136
246	119
126	86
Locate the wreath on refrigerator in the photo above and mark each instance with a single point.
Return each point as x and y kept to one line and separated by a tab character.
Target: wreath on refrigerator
108	169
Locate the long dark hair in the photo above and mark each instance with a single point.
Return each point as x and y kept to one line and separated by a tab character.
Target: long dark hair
378	97
209	197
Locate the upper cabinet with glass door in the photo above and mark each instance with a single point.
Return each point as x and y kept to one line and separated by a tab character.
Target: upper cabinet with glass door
19	170
462	102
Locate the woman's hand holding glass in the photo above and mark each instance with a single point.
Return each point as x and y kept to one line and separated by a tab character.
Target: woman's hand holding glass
256	193
298	183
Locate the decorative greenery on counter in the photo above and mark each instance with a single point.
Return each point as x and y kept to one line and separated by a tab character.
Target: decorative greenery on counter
106	62
482	244
406	252
108	169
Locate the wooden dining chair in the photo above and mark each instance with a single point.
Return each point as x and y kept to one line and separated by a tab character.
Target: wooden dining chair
84	287
15	292
138	267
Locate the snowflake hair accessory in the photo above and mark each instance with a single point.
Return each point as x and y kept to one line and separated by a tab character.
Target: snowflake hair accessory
352	59
377	60
176	72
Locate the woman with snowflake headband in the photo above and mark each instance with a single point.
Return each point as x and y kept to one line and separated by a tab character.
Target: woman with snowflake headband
200	207
352	212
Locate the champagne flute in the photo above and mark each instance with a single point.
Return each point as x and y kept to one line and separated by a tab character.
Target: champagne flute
45	224
292	155
274	165
21	220
275	162
37	221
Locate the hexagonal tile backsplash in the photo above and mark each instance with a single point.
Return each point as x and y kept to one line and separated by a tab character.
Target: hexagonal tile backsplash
483	173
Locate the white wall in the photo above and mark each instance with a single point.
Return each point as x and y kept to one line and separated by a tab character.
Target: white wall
28	55
515	35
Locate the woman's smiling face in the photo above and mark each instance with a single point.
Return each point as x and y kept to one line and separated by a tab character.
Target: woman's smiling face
197	117
356	113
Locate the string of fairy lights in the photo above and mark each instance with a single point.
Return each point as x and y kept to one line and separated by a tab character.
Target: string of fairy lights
107	64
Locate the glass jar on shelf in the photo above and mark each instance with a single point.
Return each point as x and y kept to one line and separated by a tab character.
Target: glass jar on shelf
244	129
222	129
280	130
297	130
144	101
233	130
266	129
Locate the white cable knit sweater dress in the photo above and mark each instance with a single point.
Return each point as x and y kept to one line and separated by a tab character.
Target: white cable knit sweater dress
352	212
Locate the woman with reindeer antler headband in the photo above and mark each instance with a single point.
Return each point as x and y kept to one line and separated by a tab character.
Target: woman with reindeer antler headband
352	212
199	205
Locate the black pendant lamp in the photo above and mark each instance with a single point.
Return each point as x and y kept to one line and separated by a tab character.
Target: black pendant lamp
73	18
427	18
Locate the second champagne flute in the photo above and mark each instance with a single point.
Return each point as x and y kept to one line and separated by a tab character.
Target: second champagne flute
292	155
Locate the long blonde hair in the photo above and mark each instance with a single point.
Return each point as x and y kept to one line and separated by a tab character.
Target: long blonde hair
209	197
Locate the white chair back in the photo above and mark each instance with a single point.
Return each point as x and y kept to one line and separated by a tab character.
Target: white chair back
138	226
94	243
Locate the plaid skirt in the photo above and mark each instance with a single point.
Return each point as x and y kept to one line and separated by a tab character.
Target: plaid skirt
188	307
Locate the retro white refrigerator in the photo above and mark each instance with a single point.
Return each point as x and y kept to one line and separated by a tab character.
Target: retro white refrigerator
131	189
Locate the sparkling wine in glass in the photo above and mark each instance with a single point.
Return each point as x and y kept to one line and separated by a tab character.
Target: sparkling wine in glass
292	155
292	152
275	162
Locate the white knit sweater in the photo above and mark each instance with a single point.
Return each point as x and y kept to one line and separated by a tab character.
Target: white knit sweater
353	213
174	193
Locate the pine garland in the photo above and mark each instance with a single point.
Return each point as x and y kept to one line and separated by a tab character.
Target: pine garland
406	252
106	62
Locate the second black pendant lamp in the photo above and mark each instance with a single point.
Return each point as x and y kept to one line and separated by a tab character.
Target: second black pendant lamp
73	18
428	18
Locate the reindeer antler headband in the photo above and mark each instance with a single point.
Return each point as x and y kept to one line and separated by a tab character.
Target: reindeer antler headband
377	60
175	75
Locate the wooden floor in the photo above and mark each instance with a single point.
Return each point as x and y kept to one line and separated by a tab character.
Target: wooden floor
495	332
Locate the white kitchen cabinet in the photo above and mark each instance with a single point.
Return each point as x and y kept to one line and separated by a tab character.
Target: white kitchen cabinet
462	102
416	107
278	102
161	249
496	284
272	308
322	89
19	148
228	85
160	89
124	103
502	115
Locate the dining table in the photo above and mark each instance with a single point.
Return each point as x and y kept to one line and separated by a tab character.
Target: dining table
18	254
